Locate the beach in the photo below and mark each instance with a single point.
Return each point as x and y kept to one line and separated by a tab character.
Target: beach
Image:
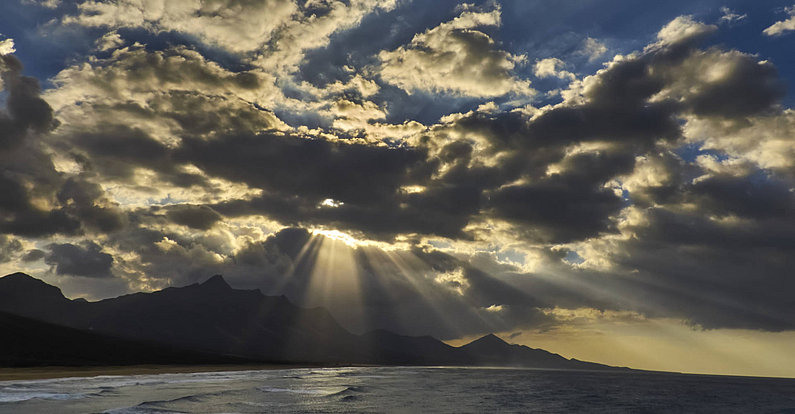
35	373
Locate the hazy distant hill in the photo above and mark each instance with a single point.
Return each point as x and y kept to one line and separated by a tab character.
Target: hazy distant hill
214	318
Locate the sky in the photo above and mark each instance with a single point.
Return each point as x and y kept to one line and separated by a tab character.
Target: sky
611	180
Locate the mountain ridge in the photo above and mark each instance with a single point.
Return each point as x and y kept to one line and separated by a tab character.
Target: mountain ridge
214	318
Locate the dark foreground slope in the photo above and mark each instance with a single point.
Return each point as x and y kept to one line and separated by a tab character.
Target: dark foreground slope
214	318
27	342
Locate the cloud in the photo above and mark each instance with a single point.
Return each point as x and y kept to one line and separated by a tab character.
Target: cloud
28	179
592	48
9	248
109	41
660	185
784	26
87	202
312	28
237	25
25	111
552	67
122	116
766	140
683	29
33	256
455	58
729	16
272	34
134	70
72	260
576	205
729	85
49	4
7	46
195	217
707	271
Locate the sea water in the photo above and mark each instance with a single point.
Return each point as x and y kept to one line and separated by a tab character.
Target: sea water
401	390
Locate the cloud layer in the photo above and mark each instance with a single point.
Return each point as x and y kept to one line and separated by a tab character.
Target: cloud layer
198	138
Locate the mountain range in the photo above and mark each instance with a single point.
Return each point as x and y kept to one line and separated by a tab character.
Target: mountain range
213	323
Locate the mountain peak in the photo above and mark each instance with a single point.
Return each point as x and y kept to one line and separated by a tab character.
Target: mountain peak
491	338
23	283
17	276
489	341
216	282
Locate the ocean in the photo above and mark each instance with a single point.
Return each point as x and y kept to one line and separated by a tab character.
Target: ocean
401	390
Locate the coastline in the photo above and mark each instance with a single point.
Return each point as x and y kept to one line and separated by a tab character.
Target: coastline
40	373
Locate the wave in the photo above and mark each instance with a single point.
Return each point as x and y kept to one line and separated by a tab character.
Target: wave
12	397
139	410
321	392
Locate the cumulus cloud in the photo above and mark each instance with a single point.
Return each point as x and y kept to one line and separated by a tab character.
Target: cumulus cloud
766	140
781	27
552	67
109	41
233	24
274	33
456	58
7	46
312	28
683	29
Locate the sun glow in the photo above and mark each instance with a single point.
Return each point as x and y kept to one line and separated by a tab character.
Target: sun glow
330	202
339	236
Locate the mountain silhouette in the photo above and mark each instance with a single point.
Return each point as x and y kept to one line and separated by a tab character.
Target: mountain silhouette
490	350
28	342
213	319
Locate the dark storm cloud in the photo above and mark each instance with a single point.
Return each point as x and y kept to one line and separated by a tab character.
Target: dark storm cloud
713	248
753	197
404	214
87	261
716	275
313	168
25	112
195	217
298	174
746	88
9	247
568	206
561	211
87	202
116	151
28	175
34	256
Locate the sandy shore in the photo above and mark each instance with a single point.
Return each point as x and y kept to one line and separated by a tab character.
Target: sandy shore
21	374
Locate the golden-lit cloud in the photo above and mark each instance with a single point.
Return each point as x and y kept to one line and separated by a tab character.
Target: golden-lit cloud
455	57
